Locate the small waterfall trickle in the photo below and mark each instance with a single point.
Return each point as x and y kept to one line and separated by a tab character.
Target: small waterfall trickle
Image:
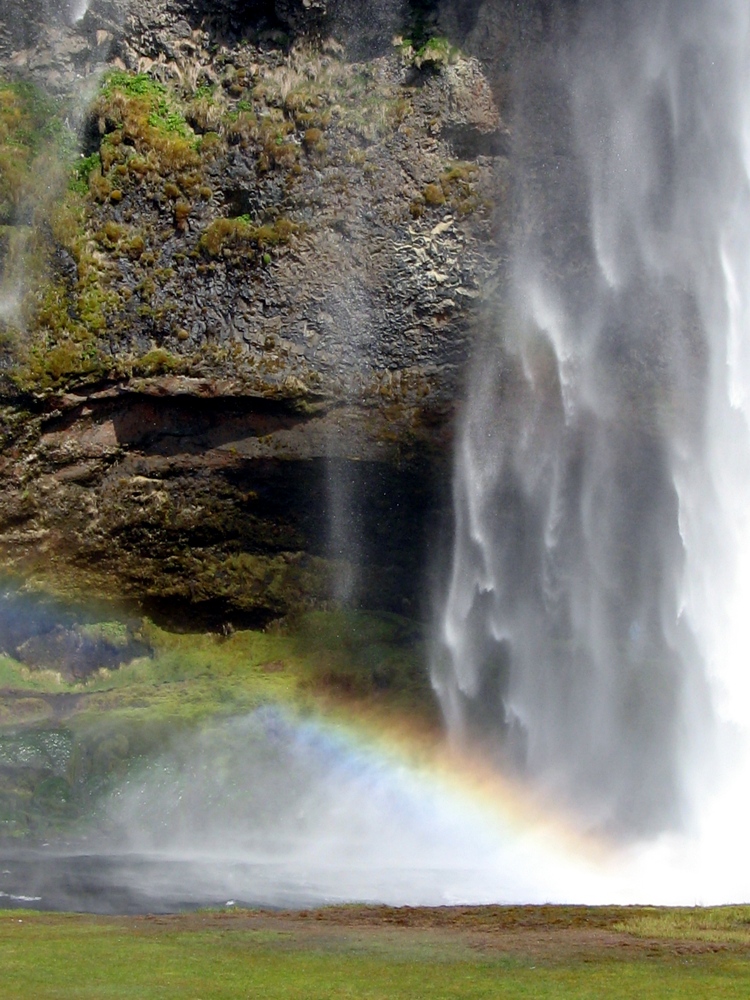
78	9
595	632
47	94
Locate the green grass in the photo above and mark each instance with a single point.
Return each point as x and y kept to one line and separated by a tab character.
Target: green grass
225	958
15	677
331	663
324	653
717	924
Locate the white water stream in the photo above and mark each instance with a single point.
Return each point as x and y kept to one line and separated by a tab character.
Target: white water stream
596	633
78	9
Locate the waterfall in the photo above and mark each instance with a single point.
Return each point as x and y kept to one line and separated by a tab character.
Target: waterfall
596	629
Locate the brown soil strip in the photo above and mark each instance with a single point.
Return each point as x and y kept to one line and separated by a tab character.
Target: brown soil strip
545	934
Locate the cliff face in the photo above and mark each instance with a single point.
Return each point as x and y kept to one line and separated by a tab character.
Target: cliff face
234	332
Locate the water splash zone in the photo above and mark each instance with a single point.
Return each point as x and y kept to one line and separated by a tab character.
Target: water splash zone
278	810
324	810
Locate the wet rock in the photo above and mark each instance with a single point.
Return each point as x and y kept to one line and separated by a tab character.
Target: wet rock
302	15
288	314
48	635
78	652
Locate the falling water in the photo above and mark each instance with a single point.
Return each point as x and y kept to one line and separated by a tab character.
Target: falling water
596	631
78	9
34	50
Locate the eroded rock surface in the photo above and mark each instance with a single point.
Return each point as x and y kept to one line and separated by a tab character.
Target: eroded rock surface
230	385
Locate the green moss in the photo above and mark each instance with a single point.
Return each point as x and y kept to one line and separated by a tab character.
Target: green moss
36	149
157	362
33	139
146	129
133	85
62	342
14	676
61	362
266	584
110	234
63	318
205	91
312	137
115	632
454	188
186	677
167	119
438	50
433	194
432	53
182	210
209	145
81	173
242	235
364	654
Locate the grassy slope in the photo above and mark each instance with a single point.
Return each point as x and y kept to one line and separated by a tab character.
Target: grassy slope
190	677
63	742
201	956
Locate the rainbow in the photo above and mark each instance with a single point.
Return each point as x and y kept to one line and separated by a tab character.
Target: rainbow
703	865
470	809
351	802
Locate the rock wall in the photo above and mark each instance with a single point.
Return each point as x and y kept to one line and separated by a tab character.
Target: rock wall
228	391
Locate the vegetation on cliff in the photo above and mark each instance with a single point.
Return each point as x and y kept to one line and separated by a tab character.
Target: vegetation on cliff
72	728
255	226
190	185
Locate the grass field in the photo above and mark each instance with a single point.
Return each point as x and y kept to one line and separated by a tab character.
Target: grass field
346	953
